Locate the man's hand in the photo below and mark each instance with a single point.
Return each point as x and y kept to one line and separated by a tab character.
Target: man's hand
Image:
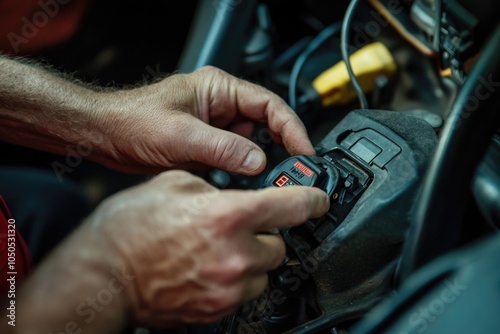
195	251
173	250
184	121
205	117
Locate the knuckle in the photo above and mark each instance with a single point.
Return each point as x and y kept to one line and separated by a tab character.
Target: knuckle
181	182
226	151
241	265
258	201
226	214
300	207
236	267
209	69
220	219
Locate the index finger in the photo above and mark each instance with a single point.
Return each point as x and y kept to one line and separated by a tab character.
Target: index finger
285	207
260	104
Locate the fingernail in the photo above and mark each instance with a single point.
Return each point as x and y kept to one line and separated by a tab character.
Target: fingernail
254	160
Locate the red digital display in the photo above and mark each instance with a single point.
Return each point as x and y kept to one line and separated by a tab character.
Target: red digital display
281	180
300	166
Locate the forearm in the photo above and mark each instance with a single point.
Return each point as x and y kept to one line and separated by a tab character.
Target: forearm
41	110
81	288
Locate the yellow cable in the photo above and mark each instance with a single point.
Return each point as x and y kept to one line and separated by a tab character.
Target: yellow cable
334	85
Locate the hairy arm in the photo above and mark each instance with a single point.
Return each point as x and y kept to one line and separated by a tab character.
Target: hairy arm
204	118
41	110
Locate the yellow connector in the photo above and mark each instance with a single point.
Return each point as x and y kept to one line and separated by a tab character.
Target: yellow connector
334	85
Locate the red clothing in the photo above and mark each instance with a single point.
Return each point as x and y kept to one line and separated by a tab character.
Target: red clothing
20	264
31	26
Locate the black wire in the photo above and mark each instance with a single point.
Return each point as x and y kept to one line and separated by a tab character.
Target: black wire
287	57
322	37
344	42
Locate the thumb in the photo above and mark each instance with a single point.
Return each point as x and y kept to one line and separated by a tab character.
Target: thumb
226	150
